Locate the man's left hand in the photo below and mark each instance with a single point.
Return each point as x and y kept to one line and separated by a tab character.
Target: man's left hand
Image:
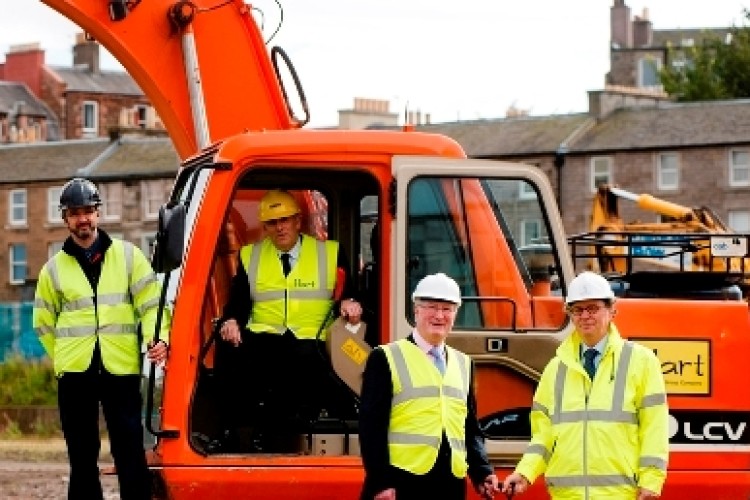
157	353
489	487
644	494
351	311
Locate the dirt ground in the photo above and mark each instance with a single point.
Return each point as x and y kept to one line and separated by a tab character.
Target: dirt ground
36	469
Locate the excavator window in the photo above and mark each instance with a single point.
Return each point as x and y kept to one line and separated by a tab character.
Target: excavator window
492	237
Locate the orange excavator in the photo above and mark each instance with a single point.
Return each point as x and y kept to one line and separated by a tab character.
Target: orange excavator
407	204
690	252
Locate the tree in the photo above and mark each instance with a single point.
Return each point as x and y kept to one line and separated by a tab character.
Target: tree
715	69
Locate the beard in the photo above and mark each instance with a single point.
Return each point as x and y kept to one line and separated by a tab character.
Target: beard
84	231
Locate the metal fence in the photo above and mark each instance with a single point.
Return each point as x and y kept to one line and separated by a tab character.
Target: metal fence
17	337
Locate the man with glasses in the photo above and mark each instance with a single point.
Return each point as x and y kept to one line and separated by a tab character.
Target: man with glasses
418	429
269	361
599	417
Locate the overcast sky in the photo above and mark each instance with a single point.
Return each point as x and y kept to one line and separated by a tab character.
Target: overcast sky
459	60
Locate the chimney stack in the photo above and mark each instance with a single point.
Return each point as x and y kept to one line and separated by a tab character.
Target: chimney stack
86	53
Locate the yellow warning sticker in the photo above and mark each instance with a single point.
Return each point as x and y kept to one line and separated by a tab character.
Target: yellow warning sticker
686	364
355	352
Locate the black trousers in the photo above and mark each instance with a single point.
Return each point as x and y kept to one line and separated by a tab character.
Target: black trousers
79	396
270	379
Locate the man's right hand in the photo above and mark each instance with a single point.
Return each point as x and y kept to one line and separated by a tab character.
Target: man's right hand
515	484
230	332
389	494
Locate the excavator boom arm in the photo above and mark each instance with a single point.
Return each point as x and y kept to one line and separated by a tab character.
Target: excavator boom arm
231	73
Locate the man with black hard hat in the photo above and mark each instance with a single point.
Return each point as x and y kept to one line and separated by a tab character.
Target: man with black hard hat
91	297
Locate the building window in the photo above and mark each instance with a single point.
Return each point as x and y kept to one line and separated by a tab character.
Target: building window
147	243
526	191
601	172
17	207
154	195
17	263
667	172
531	232
141	112
53	248
90	118
739	220
648	72
111	194
53	205
739	168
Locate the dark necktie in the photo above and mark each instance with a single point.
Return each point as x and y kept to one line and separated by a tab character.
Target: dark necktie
588	361
285	264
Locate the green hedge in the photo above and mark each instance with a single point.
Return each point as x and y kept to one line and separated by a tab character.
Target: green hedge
24	382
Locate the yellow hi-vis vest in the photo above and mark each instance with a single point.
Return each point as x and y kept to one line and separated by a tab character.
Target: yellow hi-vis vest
600	439
69	316
299	302
426	404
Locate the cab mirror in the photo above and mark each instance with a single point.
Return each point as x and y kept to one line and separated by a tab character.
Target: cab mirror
170	238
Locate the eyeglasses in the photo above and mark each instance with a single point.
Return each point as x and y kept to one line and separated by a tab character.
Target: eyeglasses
446	309
578	311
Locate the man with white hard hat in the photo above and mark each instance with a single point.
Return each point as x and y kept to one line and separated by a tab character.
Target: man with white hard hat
598	394
419	435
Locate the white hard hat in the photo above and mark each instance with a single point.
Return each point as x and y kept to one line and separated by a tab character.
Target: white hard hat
589	286
437	287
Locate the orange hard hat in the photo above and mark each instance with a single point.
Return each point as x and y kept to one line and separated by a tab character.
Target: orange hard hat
277	204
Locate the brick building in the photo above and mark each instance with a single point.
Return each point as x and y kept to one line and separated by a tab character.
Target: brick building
85	101
638	52
134	175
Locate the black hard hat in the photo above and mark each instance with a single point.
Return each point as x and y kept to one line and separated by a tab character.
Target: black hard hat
79	192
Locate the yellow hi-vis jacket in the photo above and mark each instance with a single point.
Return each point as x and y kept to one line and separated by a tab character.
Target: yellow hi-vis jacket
424	405
299	302
600	439
69	316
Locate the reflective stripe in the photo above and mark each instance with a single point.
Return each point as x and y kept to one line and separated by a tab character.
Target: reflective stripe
408	393
142	283
537	406
40	303
584	481
267	296
112	299
77	305
254	263
454	392
322	293
538	449
599	416
464	377
616	414
457	444
54	274
562	372
403	438
653	400
657	462
128	249
85	331
151	303
44	330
